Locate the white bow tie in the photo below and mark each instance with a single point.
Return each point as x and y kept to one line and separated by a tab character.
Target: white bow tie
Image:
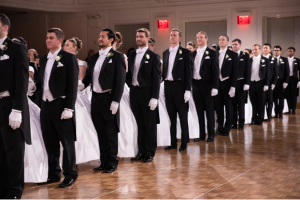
172	49
101	53
255	58
223	51
138	51
200	50
50	56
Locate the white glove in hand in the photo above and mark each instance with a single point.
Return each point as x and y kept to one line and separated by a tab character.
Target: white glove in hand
246	87
285	85
214	92
15	119
187	96
114	107
298	84
266	88
153	104
231	92
31	87
67	114
272	86
80	85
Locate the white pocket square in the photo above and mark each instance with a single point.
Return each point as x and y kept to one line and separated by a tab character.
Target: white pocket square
110	61
4	57
60	64
180	58
229	58
263	65
146	62
295	63
241	59
207	57
282	62
271	62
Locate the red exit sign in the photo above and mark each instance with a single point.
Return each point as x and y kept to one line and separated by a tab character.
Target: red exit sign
162	24
243	19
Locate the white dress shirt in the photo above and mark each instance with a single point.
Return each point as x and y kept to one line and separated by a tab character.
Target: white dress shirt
197	62
102	56
267	56
47	95
277	59
255	68
172	56
138	58
4	93
222	54
291	64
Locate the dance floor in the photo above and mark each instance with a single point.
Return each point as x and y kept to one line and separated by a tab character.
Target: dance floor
257	162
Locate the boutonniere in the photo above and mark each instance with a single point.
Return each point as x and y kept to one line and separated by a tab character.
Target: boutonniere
262	60
57	58
180	51
206	52
148	56
272	58
226	56
4	48
110	54
294	59
280	60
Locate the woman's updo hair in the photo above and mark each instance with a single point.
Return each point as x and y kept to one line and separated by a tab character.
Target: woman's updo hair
192	43
76	42
119	39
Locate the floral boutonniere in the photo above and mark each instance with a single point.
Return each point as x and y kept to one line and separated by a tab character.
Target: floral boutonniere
4	48
227	56
148	56
272	58
206	52
280	60
180	51
294	59
262	60
110	54
57	58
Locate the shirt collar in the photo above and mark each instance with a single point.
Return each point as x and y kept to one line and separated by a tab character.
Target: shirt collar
201	49
223	51
277	57
238	52
267	56
174	49
143	50
105	52
291	58
50	55
2	40
257	57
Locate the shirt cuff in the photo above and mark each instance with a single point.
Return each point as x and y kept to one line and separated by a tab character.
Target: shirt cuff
17	111
69	109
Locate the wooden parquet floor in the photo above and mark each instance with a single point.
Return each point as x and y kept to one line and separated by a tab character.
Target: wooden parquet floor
257	162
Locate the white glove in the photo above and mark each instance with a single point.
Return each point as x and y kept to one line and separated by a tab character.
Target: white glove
31	87
187	96
114	107
67	114
272	86
246	87
214	92
153	104
266	88
15	119
231	92
298	84
285	85
80	85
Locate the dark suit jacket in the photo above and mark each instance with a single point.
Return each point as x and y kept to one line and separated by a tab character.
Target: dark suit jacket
209	67
230	66
182	68
296	67
112	75
149	73
14	78
283	69
63	80
264	68
272	74
244	68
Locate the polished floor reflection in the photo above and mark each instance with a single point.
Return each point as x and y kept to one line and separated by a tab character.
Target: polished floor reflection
258	162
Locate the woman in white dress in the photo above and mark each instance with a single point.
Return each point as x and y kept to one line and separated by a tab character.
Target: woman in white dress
86	145
127	138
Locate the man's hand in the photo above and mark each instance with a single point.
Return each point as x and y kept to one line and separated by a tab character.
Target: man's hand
153	104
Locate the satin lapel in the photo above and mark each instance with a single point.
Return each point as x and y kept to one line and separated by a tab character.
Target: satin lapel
225	59
133	63
177	57
106	60
203	57
144	58
167	62
55	62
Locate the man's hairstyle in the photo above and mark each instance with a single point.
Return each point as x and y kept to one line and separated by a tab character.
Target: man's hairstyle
110	34
144	30
5	21
267	44
257	45
293	48
278	47
202	33
152	41
237	40
249	50
216	47
225	36
58	32
179	31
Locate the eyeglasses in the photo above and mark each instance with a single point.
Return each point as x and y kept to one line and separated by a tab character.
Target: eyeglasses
276	50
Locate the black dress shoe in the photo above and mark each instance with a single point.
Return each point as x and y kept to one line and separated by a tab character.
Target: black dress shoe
50	180
210	139
199	139
111	168
101	167
182	147
252	123
293	112
258	123
234	126
280	117
67	182
12	196
225	133
267	120
140	156
241	127
219	131
148	159
170	147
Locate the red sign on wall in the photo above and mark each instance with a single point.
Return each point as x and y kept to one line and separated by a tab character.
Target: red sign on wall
162	24
243	19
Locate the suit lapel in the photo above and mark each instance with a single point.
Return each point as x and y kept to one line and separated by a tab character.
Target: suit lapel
224	60
107	59
203	57
144	58
167	61
177	57
56	62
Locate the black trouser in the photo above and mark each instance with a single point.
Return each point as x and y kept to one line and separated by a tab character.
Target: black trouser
257	98
106	126
174	94
55	130
278	95
204	102
223	99
238	102
12	148
269	101
291	93
146	120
